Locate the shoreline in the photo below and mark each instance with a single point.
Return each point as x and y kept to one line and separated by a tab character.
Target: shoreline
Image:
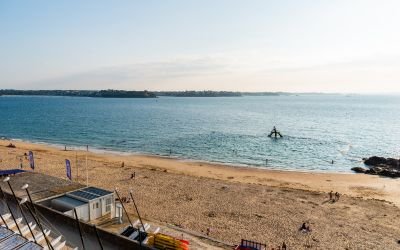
113	152
352	184
195	196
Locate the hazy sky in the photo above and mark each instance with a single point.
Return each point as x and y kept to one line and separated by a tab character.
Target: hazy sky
298	46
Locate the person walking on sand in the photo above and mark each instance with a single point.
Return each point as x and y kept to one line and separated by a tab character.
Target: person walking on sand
283	246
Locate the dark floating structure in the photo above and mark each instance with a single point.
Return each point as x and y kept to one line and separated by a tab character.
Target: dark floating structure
275	133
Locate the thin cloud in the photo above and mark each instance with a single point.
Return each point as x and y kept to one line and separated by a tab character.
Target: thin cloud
136	75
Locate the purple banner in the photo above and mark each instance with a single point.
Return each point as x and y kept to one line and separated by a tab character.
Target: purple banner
68	168
31	161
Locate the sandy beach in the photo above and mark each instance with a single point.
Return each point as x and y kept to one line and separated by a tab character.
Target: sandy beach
237	202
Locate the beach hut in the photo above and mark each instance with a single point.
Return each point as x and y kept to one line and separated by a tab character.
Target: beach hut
90	203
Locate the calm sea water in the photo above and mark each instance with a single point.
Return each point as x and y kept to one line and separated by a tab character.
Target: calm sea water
317	129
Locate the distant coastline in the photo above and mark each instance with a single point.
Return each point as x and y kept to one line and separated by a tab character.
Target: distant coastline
111	93
81	93
205	93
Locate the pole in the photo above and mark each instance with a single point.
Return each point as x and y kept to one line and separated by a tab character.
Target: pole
22	212
76	164
79	228
140	219
9	209
39	225
137	211
123	207
87	176
98	237
37	220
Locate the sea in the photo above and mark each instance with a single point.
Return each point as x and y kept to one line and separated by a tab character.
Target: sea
323	133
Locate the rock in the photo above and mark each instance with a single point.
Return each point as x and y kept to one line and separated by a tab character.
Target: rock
388	167
393	162
359	170
371	171
390	173
374	161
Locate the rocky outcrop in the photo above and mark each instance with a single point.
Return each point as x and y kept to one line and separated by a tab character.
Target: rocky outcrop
388	167
359	170
374	161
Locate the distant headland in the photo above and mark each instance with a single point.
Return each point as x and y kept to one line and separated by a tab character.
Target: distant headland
111	93
205	93
81	93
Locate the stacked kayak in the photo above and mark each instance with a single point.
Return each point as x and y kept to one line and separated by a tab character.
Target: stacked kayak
163	241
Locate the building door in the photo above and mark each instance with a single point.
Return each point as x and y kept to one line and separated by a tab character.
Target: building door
97	209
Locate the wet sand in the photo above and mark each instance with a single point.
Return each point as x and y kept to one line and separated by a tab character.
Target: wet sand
237	202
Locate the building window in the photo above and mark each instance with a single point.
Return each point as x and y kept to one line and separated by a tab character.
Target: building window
108	204
97	205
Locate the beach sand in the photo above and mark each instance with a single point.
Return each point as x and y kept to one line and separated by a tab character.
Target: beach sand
237	202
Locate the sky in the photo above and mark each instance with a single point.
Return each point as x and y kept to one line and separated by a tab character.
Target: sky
332	46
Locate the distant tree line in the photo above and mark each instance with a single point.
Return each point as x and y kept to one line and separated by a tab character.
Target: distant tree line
110	93
205	93
82	93
264	93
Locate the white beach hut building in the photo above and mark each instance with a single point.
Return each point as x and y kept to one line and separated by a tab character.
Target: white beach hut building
90	203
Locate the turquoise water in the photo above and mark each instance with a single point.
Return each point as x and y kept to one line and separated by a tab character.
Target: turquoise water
317	128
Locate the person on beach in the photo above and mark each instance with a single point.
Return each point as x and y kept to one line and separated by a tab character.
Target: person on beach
331	195
283	246
122	164
337	196
133	175
305	228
